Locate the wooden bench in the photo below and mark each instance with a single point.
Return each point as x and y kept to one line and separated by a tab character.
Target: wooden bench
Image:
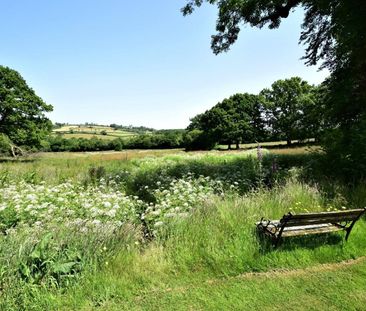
311	223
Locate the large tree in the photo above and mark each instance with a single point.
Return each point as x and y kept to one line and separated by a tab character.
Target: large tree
251	110
289	109
314	122
334	33
236	119
22	112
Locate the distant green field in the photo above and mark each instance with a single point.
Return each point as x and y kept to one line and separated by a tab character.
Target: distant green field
100	136
88	132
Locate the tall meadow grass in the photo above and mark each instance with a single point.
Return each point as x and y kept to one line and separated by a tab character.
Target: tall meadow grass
87	232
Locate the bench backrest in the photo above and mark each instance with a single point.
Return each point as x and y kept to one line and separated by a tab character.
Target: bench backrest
321	218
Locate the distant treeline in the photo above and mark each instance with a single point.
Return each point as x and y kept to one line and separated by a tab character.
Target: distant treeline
291	109
167	139
131	128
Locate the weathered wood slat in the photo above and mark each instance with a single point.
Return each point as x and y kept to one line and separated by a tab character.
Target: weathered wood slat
303	230
309	221
309	227
308	231
355	212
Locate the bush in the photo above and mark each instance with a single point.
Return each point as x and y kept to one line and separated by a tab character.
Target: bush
162	140
5	145
198	140
346	150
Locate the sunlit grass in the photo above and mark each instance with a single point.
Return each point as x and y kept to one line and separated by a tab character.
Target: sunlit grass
205	256
195	260
296	150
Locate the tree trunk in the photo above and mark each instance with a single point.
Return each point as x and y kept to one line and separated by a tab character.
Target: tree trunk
15	151
229	148
289	142
237	145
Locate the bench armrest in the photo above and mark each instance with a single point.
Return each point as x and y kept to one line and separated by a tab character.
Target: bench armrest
271	226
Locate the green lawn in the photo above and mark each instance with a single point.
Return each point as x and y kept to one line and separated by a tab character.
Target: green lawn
319	288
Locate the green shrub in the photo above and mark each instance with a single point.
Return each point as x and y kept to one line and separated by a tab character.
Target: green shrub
49	260
5	145
198	140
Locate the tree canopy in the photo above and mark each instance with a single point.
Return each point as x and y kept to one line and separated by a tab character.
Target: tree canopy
334	35
326	29
288	110
234	120
22	112
290	103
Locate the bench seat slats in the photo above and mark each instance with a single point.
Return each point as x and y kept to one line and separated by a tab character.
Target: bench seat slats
311	223
311	230
303	230
299	222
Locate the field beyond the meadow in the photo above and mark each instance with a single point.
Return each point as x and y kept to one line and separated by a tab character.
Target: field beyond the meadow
170	230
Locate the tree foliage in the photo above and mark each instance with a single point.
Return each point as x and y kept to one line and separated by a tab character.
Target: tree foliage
22	112
234	120
290	107
333	32
288	110
325	29
166	139
5	145
195	139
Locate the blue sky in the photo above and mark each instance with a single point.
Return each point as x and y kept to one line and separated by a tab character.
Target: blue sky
139	62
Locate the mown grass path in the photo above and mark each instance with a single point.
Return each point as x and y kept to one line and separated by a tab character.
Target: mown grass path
336	286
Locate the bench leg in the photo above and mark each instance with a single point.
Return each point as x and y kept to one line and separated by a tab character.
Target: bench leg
279	235
349	229
276	242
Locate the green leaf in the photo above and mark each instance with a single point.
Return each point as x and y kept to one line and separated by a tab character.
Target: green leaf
64	268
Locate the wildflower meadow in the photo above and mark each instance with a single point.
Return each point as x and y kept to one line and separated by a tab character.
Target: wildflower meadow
67	233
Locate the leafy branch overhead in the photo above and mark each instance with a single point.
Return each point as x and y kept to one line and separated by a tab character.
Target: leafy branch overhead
317	26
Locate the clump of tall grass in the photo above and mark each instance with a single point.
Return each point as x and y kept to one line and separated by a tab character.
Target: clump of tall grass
35	261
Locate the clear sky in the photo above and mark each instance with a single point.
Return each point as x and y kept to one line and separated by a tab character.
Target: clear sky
139	62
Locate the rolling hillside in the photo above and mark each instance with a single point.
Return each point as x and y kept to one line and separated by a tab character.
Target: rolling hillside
99	131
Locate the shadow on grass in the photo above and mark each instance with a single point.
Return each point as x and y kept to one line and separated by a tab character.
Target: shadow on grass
307	242
294	145
16	160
